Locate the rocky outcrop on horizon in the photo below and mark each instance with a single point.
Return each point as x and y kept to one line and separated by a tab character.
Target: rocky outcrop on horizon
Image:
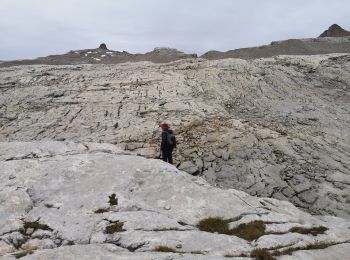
335	31
103	46
276	127
103	55
333	40
310	46
64	200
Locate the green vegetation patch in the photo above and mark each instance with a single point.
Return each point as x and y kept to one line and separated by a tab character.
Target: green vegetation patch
289	251
133	248
113	200
36	225
248	231
70	243
23	253
165	249
313	231
115	227
262	254
235	255
214	225
100	211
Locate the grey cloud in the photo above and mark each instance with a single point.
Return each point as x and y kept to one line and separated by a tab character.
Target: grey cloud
31	28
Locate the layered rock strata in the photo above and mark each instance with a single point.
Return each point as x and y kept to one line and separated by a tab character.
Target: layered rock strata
276	127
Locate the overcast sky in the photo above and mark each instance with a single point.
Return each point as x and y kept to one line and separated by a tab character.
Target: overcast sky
33	28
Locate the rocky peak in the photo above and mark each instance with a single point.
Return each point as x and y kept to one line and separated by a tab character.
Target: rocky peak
103	46
335	31
166	50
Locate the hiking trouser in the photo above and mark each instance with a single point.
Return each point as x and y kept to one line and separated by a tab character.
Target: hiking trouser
167	155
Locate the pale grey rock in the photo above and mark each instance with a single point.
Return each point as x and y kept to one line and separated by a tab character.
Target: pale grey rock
210	176
145	220
6	248
36	243
225	155
211	138
280	123
336	252
199	163
30	231
191	241
189	167
281	227
72	208
105	251
209	158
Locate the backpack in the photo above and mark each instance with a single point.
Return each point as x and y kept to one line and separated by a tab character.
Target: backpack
171	140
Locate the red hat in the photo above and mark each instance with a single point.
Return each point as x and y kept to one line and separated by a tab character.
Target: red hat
164	126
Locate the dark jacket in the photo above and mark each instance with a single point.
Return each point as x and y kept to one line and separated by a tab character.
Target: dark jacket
164	145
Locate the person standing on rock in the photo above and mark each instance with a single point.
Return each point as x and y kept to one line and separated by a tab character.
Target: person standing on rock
168	143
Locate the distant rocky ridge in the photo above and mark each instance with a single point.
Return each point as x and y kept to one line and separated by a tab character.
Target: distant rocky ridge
105	56
335	31
337	41
334	40
310	46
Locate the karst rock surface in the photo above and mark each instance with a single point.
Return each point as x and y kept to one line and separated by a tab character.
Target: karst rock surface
61	200
276	127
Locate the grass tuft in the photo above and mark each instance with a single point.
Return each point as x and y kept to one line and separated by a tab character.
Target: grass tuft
313	231
133	248
116	227
101	210
289	251
235	255
165	249
197	252
249	231
113	200
23	253
262	254
36	225
214	225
